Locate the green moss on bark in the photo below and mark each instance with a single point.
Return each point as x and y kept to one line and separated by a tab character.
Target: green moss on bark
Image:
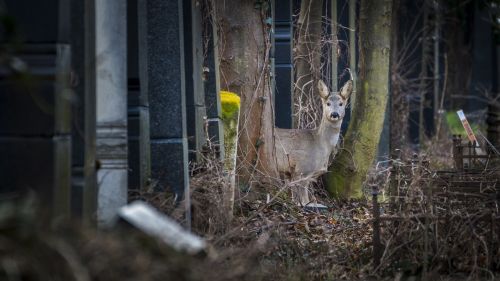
349	169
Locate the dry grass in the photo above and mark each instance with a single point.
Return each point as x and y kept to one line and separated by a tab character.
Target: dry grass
269	238
295	243
437	229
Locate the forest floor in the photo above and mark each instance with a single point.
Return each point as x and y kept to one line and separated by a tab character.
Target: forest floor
265	241
268	238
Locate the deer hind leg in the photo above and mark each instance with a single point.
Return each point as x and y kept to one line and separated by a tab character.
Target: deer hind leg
300	193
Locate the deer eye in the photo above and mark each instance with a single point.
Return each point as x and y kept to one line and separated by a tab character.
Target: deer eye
328	104
340	104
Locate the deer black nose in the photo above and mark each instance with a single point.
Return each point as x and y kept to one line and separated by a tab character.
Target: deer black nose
335	115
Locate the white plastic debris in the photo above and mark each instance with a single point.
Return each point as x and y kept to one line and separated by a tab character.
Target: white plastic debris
147	219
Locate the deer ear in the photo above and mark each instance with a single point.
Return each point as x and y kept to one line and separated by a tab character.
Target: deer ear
323	89
346	90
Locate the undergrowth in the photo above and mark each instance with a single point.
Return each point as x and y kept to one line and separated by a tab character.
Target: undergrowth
267	237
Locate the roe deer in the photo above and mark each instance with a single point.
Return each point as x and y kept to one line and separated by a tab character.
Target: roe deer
304	153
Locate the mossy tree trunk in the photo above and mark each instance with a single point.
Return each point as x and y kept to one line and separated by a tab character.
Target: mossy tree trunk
351	165
244	44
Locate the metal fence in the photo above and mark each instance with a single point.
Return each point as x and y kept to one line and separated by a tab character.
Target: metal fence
440	220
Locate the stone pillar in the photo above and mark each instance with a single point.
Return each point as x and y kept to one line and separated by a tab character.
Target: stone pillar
195	93
161	63
111	92
35	108
212	84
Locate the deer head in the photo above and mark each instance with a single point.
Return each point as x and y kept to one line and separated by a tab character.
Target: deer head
334	104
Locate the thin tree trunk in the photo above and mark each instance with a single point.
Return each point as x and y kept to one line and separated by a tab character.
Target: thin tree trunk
437	39
398	107
352	49
307	64
335	47
458	49
350	167
423	75
244	45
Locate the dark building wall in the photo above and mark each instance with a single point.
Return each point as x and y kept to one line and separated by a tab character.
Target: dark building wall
35	109
283	38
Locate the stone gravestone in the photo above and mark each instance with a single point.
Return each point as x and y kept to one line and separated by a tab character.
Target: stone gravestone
162	76
111	93
35	108
84	184
138	108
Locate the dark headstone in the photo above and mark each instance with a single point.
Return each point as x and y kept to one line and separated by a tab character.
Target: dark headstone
134	175
162	76
171	154
162	66
83	182
138	107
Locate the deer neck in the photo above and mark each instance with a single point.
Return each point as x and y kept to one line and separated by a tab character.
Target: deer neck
328	132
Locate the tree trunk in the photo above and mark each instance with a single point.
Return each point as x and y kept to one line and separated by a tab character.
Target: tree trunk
352	49
307	64
436	40
458	49
349	169
424	75
335	47
244	44
399	104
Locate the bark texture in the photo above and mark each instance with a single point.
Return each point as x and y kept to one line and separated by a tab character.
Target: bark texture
307	62
458	47
424	75
350	167
399	104
244	46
